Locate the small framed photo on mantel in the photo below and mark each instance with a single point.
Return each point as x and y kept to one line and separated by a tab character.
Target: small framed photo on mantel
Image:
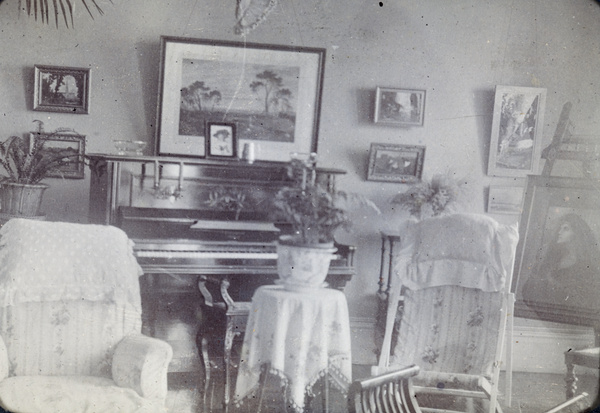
61	89
221	141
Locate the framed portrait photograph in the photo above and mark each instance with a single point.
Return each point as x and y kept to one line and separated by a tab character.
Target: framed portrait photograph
61	89
395	163
70	147
517	123
271	93
399	106
221	140
505	199
557	269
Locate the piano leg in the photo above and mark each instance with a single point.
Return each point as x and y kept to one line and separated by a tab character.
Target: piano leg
203	347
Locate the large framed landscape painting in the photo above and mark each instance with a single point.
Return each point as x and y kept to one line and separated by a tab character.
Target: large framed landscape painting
557	269
272	95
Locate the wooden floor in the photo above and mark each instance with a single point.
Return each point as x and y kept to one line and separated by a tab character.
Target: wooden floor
532	393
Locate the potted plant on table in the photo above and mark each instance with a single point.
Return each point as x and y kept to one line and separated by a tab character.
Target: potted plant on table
26	164
315	210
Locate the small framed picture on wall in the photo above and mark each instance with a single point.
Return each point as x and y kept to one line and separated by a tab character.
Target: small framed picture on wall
61	89
402	107
395	163
221	141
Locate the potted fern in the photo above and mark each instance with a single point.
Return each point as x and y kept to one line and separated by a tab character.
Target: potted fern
25	164
315	211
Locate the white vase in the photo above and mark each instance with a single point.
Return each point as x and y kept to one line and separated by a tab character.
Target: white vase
303	265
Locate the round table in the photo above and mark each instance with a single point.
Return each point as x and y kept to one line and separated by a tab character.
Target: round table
299	341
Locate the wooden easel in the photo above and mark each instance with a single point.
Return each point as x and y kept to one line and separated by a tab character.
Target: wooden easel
567	146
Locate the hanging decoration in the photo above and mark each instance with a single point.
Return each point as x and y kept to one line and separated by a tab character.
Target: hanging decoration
250	13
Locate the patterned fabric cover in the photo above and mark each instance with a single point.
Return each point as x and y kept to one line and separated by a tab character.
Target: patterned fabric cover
69	307
52	261
455	274
450	329
468	250
64	338
70	394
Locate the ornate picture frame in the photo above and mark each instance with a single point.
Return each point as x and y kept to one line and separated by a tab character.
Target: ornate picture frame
272	93
547	283
61	89
395	163
402	107
72	146
517	125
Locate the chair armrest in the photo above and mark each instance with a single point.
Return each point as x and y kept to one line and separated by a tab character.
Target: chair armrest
141	363
375	393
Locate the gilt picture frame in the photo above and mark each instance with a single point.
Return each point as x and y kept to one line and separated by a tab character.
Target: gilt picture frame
61	89
395	163
401	107
71	146
272	93
547	284
517	126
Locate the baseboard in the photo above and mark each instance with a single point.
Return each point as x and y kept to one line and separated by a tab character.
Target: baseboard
541	349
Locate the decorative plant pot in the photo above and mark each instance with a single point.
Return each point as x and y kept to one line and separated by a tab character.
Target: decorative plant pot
303	265
21	199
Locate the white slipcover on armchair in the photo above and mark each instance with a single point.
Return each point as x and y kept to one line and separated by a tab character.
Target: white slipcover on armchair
70	323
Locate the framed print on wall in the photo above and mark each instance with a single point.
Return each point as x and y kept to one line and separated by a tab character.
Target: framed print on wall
504	199
272	93
61	89
395	163
518	118
220	140
557	267
70	146
403	107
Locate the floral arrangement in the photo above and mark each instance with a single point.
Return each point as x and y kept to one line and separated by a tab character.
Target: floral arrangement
430	198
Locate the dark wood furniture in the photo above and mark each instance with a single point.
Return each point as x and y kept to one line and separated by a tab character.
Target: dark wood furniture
204	234
386	393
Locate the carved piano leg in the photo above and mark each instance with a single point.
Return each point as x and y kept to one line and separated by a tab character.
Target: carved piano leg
203	347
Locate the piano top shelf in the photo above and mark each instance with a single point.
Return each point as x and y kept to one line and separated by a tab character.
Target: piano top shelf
224	165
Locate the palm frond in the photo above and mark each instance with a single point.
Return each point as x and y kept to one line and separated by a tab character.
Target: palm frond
59	7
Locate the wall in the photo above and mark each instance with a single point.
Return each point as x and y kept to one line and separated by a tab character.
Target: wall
457	51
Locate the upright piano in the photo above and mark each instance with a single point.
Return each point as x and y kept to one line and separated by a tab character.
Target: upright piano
205	235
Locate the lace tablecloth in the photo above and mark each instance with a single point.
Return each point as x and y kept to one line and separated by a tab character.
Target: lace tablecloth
300	338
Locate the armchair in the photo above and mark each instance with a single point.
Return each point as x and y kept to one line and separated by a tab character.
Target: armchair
70	323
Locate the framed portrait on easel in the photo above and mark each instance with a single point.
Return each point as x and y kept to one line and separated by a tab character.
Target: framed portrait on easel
557	269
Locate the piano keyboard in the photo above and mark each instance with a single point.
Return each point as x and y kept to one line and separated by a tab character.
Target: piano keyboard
247	255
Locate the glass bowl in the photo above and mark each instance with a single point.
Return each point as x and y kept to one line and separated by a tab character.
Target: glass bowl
125	147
